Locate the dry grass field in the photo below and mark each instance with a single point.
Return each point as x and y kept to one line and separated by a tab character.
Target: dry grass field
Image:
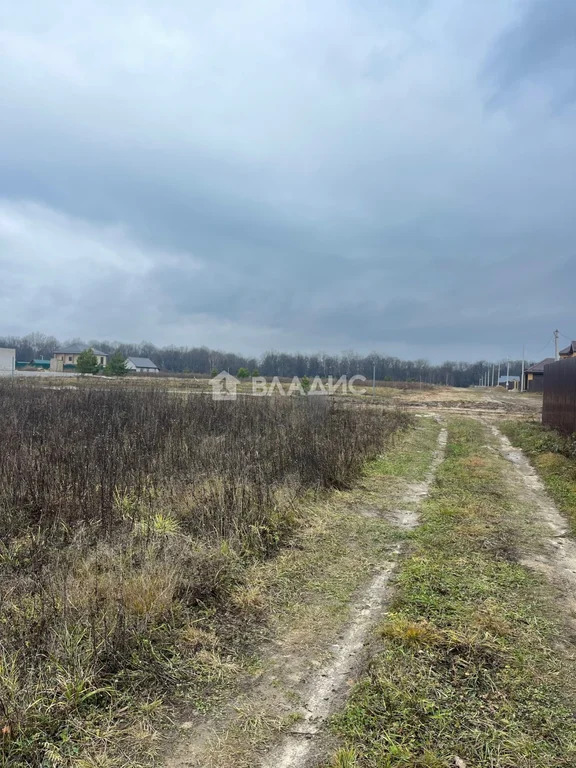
130	518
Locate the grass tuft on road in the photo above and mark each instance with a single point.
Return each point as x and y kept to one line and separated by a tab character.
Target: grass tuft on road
411	458
553	455
466	669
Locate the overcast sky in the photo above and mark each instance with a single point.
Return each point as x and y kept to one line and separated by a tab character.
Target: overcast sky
290	174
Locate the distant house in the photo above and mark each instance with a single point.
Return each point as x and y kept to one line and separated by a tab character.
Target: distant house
534	376
68	357
569	351
141	365
509	382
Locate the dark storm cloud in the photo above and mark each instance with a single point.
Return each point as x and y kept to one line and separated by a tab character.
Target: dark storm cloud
288	175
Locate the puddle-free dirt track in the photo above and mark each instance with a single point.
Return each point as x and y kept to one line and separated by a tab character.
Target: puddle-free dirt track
321	691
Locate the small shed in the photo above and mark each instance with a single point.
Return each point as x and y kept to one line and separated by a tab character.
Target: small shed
509	382
141	365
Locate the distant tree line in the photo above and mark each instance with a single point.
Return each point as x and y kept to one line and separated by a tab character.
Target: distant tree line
202	360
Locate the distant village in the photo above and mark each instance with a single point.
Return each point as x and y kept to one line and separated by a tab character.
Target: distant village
532	378
65	360
534	375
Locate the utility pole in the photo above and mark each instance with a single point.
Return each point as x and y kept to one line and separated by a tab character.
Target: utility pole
492	380
522	375
556	355
373	377
498	377
508	375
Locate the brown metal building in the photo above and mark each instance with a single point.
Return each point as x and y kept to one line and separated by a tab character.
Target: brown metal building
534	376
559	404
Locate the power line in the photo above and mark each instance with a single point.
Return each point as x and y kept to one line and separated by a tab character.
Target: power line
550	340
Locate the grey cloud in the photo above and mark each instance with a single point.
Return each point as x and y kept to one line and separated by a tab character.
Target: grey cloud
539	47
299	176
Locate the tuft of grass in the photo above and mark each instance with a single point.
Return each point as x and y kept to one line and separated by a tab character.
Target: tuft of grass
553	455
344	758
468	670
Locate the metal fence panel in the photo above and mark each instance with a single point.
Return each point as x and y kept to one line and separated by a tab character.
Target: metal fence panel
559	404
536	384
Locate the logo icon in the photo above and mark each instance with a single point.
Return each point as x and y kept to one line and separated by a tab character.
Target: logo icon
224	386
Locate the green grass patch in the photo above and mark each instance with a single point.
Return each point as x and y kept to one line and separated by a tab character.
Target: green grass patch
553	455
411	458
466	665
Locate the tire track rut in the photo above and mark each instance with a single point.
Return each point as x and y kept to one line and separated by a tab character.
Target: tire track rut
328	688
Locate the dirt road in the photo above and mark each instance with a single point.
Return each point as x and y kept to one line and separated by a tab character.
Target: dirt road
557	556
280	719
474	402
328	687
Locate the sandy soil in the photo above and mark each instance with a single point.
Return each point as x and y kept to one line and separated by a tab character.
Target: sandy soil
474	401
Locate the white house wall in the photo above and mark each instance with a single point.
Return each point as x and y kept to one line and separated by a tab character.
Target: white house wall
7	361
